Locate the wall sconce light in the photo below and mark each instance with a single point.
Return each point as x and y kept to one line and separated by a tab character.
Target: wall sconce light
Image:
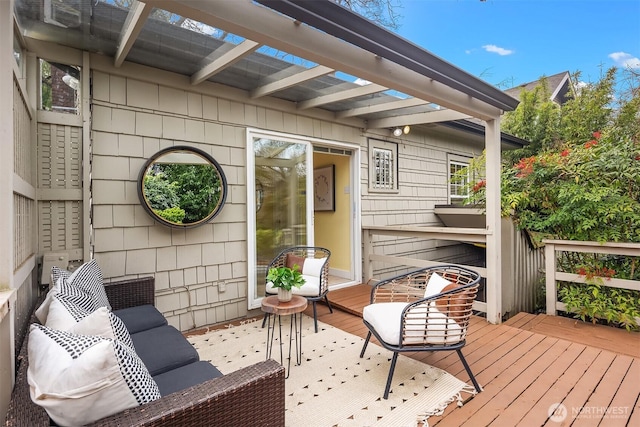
400	131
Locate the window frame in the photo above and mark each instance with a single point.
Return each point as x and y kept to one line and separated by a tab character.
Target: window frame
463	161
392	147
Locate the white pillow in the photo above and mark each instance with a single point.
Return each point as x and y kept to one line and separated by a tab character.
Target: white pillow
435	285
65	316
42	311
313	266
79	379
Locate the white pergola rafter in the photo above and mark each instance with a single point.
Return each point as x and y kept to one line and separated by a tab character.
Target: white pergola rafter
214	63
341	96
138	14
416	119
279	84
382	107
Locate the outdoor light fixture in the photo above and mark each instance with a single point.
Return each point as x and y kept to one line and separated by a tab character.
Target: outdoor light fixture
400	131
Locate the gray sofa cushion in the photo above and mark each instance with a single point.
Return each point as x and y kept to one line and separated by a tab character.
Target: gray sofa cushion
140	318
185	377
163	348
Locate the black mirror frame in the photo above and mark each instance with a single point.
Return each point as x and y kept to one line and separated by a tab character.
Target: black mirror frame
198	152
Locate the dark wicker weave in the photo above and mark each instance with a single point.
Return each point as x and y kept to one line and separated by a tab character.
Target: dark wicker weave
250	396
421	323
308	252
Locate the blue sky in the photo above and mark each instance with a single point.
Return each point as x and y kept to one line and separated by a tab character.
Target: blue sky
510	42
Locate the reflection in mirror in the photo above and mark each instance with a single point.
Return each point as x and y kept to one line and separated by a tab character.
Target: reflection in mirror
182	187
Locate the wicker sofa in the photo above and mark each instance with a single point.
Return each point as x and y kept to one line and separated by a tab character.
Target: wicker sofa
254	394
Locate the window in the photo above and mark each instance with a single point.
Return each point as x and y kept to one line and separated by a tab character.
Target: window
383	166
59	88
458	178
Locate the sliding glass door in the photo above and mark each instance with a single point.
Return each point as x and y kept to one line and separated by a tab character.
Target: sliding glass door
278	214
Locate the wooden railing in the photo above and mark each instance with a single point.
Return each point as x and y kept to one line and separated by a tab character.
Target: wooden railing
473	235
552	275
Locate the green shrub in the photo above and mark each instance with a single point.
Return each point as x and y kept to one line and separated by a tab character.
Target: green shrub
174	214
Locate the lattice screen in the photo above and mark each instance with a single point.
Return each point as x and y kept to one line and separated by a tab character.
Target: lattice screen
60	189
23	211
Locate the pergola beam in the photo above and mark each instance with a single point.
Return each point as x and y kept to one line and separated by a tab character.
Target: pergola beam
341	96
131	29
284	83
416	119
227	59
378	108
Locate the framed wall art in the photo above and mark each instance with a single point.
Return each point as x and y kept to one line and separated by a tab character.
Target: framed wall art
323	189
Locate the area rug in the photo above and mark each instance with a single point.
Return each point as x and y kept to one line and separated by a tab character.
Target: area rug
333	386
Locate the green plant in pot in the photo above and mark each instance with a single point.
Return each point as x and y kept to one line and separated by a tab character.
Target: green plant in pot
285	279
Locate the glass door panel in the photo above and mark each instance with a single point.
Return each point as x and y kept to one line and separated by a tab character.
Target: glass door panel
281	218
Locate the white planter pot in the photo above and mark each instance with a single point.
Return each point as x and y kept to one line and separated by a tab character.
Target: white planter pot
284	295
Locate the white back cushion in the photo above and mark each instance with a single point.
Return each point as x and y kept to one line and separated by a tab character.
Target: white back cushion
313	266
435	285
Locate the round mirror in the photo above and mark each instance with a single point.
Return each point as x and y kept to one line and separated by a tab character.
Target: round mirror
182	187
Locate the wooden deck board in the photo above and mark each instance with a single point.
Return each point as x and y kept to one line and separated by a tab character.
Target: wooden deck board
605	337
512	415
525	366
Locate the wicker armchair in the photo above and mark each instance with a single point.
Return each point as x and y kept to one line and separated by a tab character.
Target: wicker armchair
422	311
254	394
316	288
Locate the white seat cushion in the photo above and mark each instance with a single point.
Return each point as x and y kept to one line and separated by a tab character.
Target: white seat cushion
385	318
310	288
79	379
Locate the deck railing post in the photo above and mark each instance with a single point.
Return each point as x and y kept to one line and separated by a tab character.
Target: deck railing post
368	251
550	277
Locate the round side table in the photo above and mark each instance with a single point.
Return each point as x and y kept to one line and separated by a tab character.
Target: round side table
294	308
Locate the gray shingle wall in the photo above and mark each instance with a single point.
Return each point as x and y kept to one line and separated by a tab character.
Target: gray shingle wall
132	120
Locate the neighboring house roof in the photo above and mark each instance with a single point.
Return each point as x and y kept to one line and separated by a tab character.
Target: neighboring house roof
558	85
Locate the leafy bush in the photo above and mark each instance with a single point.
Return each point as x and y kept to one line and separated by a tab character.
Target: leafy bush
174	214
578	180
595	301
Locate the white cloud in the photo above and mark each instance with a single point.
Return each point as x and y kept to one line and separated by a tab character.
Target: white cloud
362	82
624	59
495	49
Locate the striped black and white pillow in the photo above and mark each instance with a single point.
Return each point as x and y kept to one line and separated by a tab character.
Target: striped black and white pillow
88	278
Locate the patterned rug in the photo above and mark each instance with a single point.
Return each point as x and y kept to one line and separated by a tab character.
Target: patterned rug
333	386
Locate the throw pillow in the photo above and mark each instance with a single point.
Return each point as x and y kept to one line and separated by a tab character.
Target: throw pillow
43	309
66	316
455	305
435	285
313	266
79	379
293	260
88	278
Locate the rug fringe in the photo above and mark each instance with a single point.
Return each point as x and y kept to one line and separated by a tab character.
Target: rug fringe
439	410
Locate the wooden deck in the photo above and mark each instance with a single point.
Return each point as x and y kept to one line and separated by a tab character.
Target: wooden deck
528	365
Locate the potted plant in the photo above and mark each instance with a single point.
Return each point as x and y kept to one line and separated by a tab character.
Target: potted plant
285	279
